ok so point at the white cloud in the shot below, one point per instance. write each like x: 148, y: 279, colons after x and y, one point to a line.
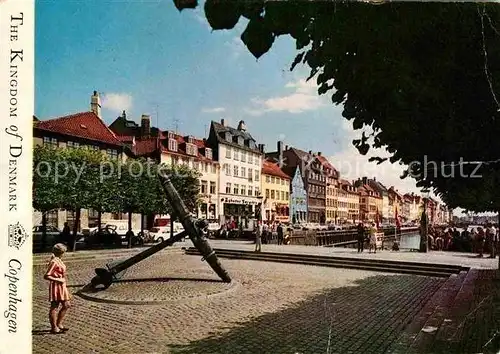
x: 305, y: 98
x: 213, y: 110
x: 117, y: 102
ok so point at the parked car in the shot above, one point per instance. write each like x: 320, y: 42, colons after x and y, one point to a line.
x: 52, y: 236
x: 120, y: 227
x: 161, y: 233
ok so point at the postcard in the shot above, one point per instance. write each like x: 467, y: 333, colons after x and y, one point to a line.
x: 222, y: 176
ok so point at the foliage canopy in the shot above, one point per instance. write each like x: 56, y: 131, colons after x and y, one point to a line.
x: 418, y: 79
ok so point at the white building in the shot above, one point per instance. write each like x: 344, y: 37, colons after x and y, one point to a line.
x: 240, y: 161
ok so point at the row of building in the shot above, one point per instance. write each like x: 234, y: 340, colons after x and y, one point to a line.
x: 239, y: 178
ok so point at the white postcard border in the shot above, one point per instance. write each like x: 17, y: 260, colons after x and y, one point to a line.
x: 17, y: 33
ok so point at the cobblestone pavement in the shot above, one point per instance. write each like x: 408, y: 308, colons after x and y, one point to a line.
x: 438, y: 257
x: 276, y: 308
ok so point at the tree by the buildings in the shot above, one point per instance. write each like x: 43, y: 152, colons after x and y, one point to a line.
x: 419, y: 79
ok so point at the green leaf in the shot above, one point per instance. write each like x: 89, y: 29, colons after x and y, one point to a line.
x: 257, y: 38
x: 222, y: 14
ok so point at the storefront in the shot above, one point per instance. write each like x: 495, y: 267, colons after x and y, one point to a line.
x: 238, y: 208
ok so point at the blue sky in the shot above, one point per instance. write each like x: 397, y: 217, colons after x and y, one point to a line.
x: 147, y: 58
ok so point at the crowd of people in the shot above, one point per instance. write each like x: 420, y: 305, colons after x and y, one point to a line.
x: 478, y: 240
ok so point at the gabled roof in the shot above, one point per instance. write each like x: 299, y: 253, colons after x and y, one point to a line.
x: 84, y: 125
x: 324, y: 161
x: 220, y: 129
x: 272, y: 169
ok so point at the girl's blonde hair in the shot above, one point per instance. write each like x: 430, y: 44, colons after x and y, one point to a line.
x: 59, y: 249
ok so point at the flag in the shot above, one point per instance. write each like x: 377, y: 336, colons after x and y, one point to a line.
x: 398, y: 225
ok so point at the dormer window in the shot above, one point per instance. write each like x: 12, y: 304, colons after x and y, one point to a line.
x: 190, y: 139
x: 208, y: 153
x: 228, y: 136
x: 170, y: 135
x: 172, y: 144
x: 191, y: 149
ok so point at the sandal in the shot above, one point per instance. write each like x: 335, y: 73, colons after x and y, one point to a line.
x: 63, y: 329
x: 53, y: 331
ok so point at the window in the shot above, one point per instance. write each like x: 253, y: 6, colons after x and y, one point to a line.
x: 73, y: 144
x: 208, y: 153
x: 203, y: 187
x: 250, y: 190
x: 50, y: 141
x: 256, y: 160
x: 257, y: 191
x: 267, y: 193
x: 228, y: 188
x: 243, y: 172
x: 228, y: 152
x: 112, y: 153
x: 282, y: 182
x: 257, y: 175
x: 185, y: 162
x: 243, y: 190
x: 227, y: 169
x: 268, y: 179
x: 94, y: 147
x: 282, y: 195
x: 213, y: 188
x: 196, y: 165
x: 272, y: 194
x: 172, y: 144
x: 191, y: 149
x: 236, y: 188
x: 235, y: 170
x: 175, y: 161
x: 243, y: 156
x: 235, y: 155
x: 213, y: 168
x: 250, y: 175
x: 205, y: 167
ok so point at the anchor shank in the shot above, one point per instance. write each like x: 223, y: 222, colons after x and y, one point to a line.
x: 195, y: 233
x: 146, y: 253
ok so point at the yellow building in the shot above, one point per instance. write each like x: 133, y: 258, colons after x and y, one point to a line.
x: 350, y: 197
x: 276, y: 188
x: 331, y: 199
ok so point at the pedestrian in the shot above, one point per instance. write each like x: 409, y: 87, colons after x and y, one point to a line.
x: 491, y: 237
x: 58, y: 291
x: 480, y: 241
x: 279, y: 230
x: 373, y: 239
x: 361, y: 237
x: 65, y: 236
x: 258, y: 237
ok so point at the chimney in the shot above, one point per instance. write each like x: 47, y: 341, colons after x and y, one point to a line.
x: 280, y: 153
x: 145, y: 126
x: 222, y: 122
x: 286, y: 147
x: 242, y: 126
x: 261, y: 148
x: 319, y: 153
x: 310, y: 152
x: 365, y: 180
x: 95, y: 104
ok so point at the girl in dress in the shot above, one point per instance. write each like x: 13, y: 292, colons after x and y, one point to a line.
x: 58, y: 292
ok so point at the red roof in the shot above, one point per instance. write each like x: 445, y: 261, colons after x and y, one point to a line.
x: 145, y: 146
x: 85, y: 125
x: 324, y: 161
x: 272, y: 169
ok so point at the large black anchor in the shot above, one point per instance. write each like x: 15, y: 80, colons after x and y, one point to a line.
x: 193, y: 227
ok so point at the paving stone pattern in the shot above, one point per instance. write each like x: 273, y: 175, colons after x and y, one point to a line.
x: 277, y: 308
